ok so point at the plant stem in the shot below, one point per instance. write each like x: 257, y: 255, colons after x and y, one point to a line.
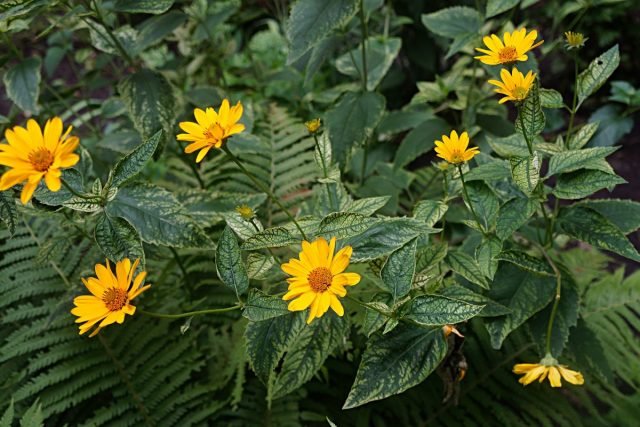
x: 82, y: 196
x: 524, y: 132
x: 191, y: 313
x: 365, y: 36
x: 325, y: 172
x: 114, y: 39
x: 466, y: 194
x: 363, y: 168
x: 264, y: 189
x: 445, y: 189
x: 575, y: 101
x: 556, y: 302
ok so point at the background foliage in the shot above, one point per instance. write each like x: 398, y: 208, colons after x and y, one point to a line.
x: 123, y: 73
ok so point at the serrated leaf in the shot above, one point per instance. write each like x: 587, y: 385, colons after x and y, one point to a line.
x: 309, y: 351
x: 494, y: 170
x: 511, y: 146
x: 118, y: 239
x: 531, y: 121
x: 597, y: 73
x: 434, y: 310
x: 158, y: 216
x: 8, y: 211
x: 525, y: 172
x: 132, y: 163
x: 394, y: 362
x: 467, y: 267
x: 523, y: 292
x: 374, y: 320
x: 453, y: 22
x: 485, y: 203
x: 385, y: 237
x: 430, y: 256
x: 572, y: 160
x: 270, y: 238
x: 260, y: 306
x: 381, y: 52
x: 310, y: 22
x: 491, y: 308
x: 209, y: 207
x: 323, y: 155
x: 22, y: 83
x: 582, y: 136
x: 430, y: 211
x: 154, y: 29
x: 229, y: 265
x: 513, y: 215
x: 550, y: 98
x: 342, y: 225
x: 486, y: 255
x: 496, y: 7
x: 624, y: 214
x: 397, y: 273
x: 590, y: 226
x: 583, y: 183
x: 143, y: 6
x: 420, y: 140
x: 260, y: 266
x: 33, y: 416
x: 7, y: 416
x: 526, y: 262
x: 367, y: 206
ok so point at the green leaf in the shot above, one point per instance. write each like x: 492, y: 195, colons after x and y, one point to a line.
x: 398, y: 271
x: 397, y: 361
x: 385, y: 237
x: 229, y: 265
x: 624, y: 214
x: 491, y: 308
x: 420, y: 140
x: 8, y: 211
x: 613, y: 124
x: 33, y: 417
x: 143, y: 6
x: 453, y: 22
x: 531, y: 121
x: 102, y: 40
x: 309, y: 351
x: 467, y: 267
x: 434, y: 310
x: 374, y: 320
x: 591, y: 227
x: 526, y: 262
x: 7, y: 416
x: 118, y: 239
x: 209, y: 207
x: 582, y: 136
x: 368, y: 205
x: 345, y: 224
x: 22, y: 83
x: 513, y: 215
x: 572, y: 160
x: 158, y: 216
x: 381, y: 52
x: 494, y: 170
x: 486, y: 255
x: 526, y: 172
x: 352, y: 121
x: 511, y: 146
x: 323, y: 155
x: 597, y: 73
x: 64, y: 197
x: 154, y: 29
x: 583, y: 183
x: 550, y: 98
x: 496, y: 7
x: 588, y: 351
x: 484, y: 202
x: 430, y: 211
x: 260, y: 306
x: 268, y: 340
x: 311, y: 22
x: 429, y: 256
x: 270, y: 238
x: 151, y: 104
x: 131, y: 164
x: 523, y: 292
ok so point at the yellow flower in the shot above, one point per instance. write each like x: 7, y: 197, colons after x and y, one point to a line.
x: 111, y: 296
x: 547, y: 368
x: 515, y: 47
x: 454, y: 149
x: 32, y: 154
x: 319, y: 278
x: 313, y: 125
x: 212, y: 129
x: 245, y: 212
x: 514, y: 86
x: 574, y: 40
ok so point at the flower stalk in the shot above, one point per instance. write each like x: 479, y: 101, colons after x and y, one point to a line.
x: 466, y: 195
x: 191, y: 313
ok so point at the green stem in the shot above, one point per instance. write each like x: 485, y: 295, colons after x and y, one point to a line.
x: 370, y: 307
x: 575, y: 101
x: 365, y: 36
x: 363, y: 168
x: 264, y: 189
x: 466, y: 194
x: 524, y: 132
x: 190, y: 313
x: 114, y: 39
x: 82, y: 196
x: 556, y: 301
x: 445, y: 189
x: 332, y: 204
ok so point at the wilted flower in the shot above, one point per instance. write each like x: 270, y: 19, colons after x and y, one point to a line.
x: 549, y: 368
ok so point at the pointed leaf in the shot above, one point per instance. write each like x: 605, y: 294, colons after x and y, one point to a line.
x: 261, y: 306
x: 22, y: 82
x: 132, y: 163
x: 597, y: 73
x: 229, y: 264
x: 526, y: 172
x: 397, y: 273
x: 433, y: 310
x: 118, y: 239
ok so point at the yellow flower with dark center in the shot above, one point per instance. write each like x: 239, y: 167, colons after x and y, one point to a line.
x: 574, y: 40
x: 319, y: 278
x: 111, y: 296
x: 547, y: 368
x: 211, y: 128
x: 514, y: 86
x: 514, y: 48
x: 313, y: 125
x: 32, y: 155
x: 454, y: 149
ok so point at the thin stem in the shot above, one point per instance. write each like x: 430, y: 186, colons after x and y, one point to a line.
x: 445, y: 188
x: 556, y: 302
x: 365, y: 36
x: 524, y: 132
x: 466, y: 194
x: 370, y: 307
x: 575, y: 101
x: 363, y: 168
x: 264, y: 189
x: 82, y: 196
x: 190, y: 313
x: 112, y: 36
x: 325, y: 173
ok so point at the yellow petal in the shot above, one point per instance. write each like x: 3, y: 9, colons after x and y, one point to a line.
x: 302, y: 302
x: 554, y: 377
x: 337, y: 306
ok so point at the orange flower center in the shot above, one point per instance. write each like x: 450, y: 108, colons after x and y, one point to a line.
x: 508, y: 54
x: 320, y: 279
x: 115, y: 298
x: 41, y: 159
x: 215, y: 132
x: 456, y: 156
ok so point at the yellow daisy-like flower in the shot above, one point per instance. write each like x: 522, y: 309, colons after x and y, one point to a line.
x: 313, y: 125
x: 454, y: 149
x: 32, y: 154
x: 514, y: 86
x: 211, y: 128
x: 319, y: 278
x: 245, y: 212
x: 547, y: 368
x: 574, y: 40
x: 110, y: 297
x: 515, y: 47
